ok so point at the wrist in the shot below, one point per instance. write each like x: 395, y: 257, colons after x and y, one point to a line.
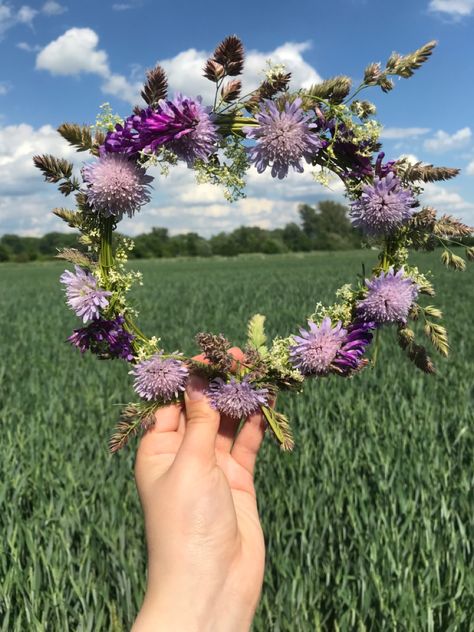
x: 176, y: 613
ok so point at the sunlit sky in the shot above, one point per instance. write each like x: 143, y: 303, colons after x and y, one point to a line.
x: 59, y: 61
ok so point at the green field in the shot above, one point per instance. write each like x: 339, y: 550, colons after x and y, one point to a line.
x: 369, y: 522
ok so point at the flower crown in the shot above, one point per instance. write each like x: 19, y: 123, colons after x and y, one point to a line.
x: 272, y: 127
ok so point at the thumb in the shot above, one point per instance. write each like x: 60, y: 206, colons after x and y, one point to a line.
x: 202, y: 421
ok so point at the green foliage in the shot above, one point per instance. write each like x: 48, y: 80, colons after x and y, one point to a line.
x: 256, y: 337
x: 368, y: 523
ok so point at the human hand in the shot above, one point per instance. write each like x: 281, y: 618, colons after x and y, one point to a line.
x: 206, y: 550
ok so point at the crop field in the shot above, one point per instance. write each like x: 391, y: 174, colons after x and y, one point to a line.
x: 368, y: 523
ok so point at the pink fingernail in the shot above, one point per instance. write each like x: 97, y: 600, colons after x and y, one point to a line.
x: 195, y: 388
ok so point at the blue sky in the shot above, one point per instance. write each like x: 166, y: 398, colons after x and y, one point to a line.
x: 61, y: 60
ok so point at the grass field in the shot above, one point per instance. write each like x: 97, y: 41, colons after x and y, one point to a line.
x: 368, y: 523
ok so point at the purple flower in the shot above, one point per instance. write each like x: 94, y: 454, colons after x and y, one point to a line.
x: 160, y: 378
x: 83, y: 295
x: 106, y: 338
x: 357, y: 339
x: 389, y: 298
x: 236, y: 399
x: 124, y: 138
x: 383, y: 169
x: 383, y: 206
x: 316, y: 349
x: 117, y: 186
x: 283, y: 138
x: 184, y: 125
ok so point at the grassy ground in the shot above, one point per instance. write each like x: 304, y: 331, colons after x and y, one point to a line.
x: 368, y: 523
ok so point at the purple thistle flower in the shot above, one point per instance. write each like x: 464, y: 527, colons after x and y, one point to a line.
x: 237, y: 400
x: 383, y: 206
x: 117, y: 186
x: 123, y: 139
x: 316, y: 349
x: 105, y: 338
x: 83, y: 295
x: 283, y: 138
x: 160, y: 378
x: 356, y: 341
x: 184, y: 125
x: 389, y: 298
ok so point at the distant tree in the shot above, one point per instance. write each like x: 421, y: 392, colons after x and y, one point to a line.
x: 4, y: 252
x: 224, y: 245
x: 328, y: 227
x: 294, y: 238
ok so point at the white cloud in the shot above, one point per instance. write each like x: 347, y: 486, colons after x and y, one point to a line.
x: 4, y: 87
x: 122, y: 6
x: 25, y: 199
x: 10, y: 17
x: 447, y: 200
x: 184, y: 70
x: 16, y: 158
x: 470, y: 168
x: 392, y: 133
x: 76, y: 51
x: 454, y: 8
x: 119, y: 86
x: 29, y: 48
x: 53, y: 8
x: 26, y: 15
x: 442, y: 141
x: 72, y: 53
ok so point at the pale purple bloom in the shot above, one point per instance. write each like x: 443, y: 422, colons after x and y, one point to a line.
x: 349, y: 357
x: 116, y: 186
x: 159, y: 378
x: 283, y: 138
x: 105, y: 338
x: 389, y: 298
x: 237, y: 400
x: 83, y: 295
x: 184, y: 125
x: 383, y: 206
x: 316, y: 349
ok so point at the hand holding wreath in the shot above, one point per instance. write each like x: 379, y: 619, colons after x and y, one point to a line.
x: 205, y: 543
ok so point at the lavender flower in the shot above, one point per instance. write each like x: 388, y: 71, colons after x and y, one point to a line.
x: 356, y: 341
x: 316, y: 349
x: 83, y: 295
x: 106, y: 338
x: 236, y: 399
x: 117, y: 186
x: 160, y: 378
x: 283, y: 138
x: 389, y: 298
x: 383, y: 206
x: 184, y: 125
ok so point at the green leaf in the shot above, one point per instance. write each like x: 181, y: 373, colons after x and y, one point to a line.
x: 256, y: 337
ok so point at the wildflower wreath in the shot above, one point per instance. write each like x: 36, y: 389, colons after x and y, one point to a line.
x: 272, y: 128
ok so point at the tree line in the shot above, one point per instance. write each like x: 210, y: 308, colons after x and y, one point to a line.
x: 325, y: 226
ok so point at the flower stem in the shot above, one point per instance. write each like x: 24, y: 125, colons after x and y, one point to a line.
x: 106, y: 257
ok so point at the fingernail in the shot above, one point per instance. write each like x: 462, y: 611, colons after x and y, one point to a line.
x: 195, y: 388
